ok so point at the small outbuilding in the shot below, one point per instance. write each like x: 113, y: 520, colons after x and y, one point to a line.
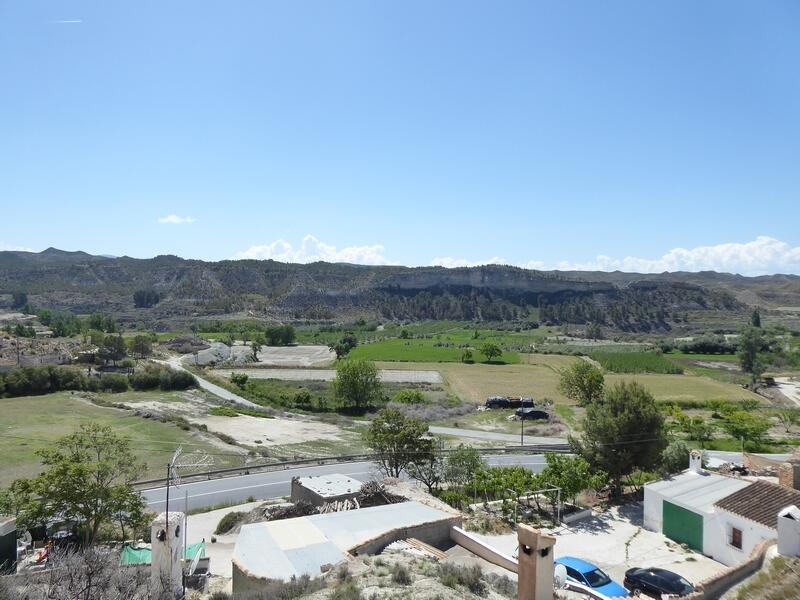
x: 280, y: 550
x: 324, y: 488
x: 8, y: 544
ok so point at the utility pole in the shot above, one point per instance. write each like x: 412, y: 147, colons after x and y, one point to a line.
x: 522, y: 428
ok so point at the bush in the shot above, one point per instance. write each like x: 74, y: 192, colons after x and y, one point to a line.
x: 469, y: 577
x: 239, y: 379
x: 400, y: 574
x: 229, y: 521
x: 455, y: 498
x: 223, y: 411
x: 296, y: 587
x: 410, y: 397
x: 114, y: 383
x: 346, y: 591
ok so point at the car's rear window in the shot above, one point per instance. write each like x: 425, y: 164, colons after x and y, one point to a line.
x: 597, y: 578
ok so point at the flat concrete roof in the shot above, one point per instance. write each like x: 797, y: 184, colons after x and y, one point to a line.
x: 331, y: 485
x: 698, y: 491
x: 301, y: 546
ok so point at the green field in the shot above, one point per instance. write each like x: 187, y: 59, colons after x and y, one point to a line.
x: 30, y: 423
x: 422, y: 350
x: 636, y: 362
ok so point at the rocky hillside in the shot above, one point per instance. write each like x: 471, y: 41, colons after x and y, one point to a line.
x: 83, y: 283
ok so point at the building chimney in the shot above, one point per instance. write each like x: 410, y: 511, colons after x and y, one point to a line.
x: 696, y: 461
x: 789, y: 474
x: 535, y: 560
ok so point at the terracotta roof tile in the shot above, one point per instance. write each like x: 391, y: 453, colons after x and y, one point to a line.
x: 760, y: 502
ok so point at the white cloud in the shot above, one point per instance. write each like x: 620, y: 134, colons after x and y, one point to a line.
x: 11, y: 248
x: 176, y: 220
x: 311, y: 249
x: 67, y: 21
x: 453, y: 263
x: 761, y: 256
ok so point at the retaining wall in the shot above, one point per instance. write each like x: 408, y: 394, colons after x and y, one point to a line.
x: 714, y: 587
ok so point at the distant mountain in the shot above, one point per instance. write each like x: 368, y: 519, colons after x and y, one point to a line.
x: 190, y: 289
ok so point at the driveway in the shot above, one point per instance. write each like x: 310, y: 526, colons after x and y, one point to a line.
x: 615, y: 541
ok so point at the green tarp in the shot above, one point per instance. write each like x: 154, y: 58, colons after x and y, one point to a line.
x: 144, y: 556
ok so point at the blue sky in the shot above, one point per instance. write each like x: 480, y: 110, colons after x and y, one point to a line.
x: 564, y: 133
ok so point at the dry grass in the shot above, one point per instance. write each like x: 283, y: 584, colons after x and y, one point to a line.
x: 539, y: 378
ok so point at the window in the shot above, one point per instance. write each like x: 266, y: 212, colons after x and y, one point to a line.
x: 735, y: 538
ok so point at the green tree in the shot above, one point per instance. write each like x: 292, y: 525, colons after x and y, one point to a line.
x: 344, y: 345
x: 751, y: 345
x: 357, y: 383
x: 113, y: 348
x: 491, y: 351
x: 142, y: 346
x: 18, y: 299
x: 398, y: 440
x: 582, y: 382
x: 787, y: 418
x: 255, y: 347
x: 623, y: 433
x: 746, y: 426
x: 462, y: 464
x: 428, y: 469
x: 755, y: 318
x: 674, y: 458
x: 572, y: 474
x: 466, y: 355
x: 87, y: 477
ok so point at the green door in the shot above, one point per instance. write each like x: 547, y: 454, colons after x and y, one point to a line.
x: 683, y: 526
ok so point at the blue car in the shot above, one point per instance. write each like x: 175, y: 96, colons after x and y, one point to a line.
x: 588, y: 574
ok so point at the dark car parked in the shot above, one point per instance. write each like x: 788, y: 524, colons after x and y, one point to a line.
x: 655, y: 582
x: 532, y: 414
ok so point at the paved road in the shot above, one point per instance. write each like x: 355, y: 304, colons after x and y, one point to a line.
x: 275, y: 484
x: 493, y: 436
x: 175, y: 363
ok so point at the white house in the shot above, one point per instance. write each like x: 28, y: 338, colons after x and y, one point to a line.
x: 722, y: 517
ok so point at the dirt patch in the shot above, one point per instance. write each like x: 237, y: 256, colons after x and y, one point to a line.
x: 249, y: 430
x: 713, y: 364
x: 295, y: 356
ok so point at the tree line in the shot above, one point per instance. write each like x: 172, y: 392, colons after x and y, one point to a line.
x: 37, y: 381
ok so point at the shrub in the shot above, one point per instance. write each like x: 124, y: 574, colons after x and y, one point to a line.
x: 454, y: 498
x: 239, y: 379
x: 114, y: 382
x: 410, y: 397
x: 469, y: 577
x: 223, y: 411
x: 346, y: 591
x: 229, y: 521
x: 296, y: 587
x: 400, y: 574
